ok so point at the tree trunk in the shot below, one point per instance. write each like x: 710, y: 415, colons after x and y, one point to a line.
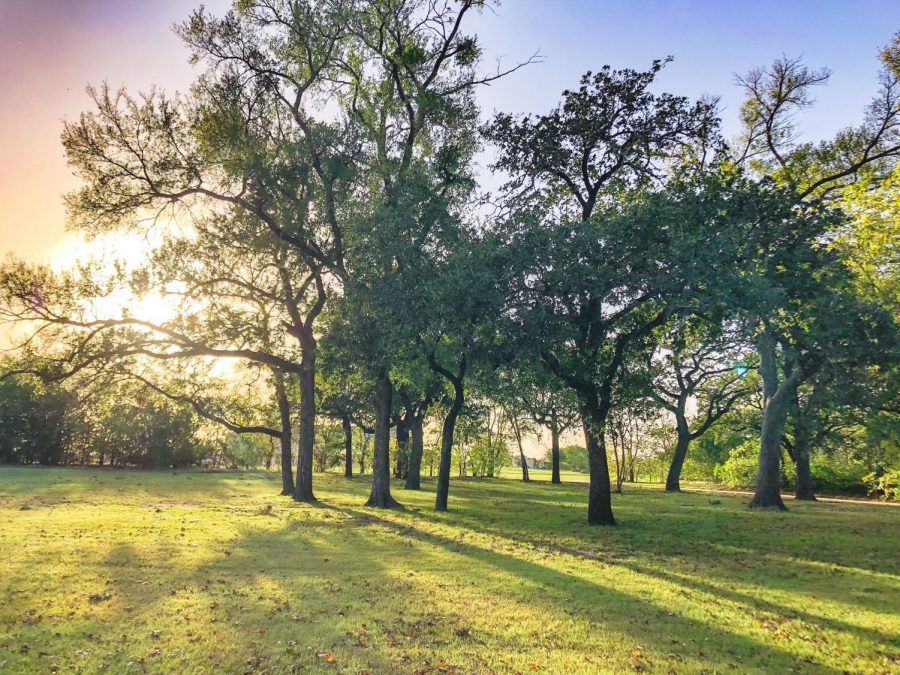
x: 673, y: 480
x: 402, y: 447
x: 303, y: 490
x: 803, y: 487
x: 348, y: 447
x: 775, y: 410
x: 381, y: 452
x: 599, y: 495
x: 620, y: 465
x: 416, y: 449
x: 284, y: 412
x: 443, y: 481
x: 554, y: 454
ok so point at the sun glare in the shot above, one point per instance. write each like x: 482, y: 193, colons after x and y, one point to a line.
x: 126, y: 251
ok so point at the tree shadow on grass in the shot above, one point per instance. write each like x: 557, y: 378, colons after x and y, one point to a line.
x: 639, y: 620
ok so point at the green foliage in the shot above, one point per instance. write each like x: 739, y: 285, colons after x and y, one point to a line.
x: 34, y: 428
x: 573, y: 458
x: 489, y: 455
x: 885, y: 485
x: 838, y: 476
x: 247, y: 452
x: 870, y: 239
x: 739, y: 470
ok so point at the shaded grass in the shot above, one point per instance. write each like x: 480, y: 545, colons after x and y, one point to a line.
x: 153, y: 572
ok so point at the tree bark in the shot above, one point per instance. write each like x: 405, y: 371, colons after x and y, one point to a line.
x: 416, y: 449
x: 599, y: 494
x: 284, y: 412
x: 402, y: 431
x: 673, y: 480
x: 443, y: 481
x: 775, y: 409
x: 303, y: 490
x: 348, y: 447
x: 380, y: 496
x: 554, y: 453
x: 803, y: 486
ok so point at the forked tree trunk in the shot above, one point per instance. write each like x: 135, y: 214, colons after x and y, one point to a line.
x: 348, y: 446
x: 775, y: 411
x: 284, y: 412
x: 380, y: 496
x: 303, y: 490
x: 416, y: 449
x: 554, y: 454
x: 673, y: 480
x: 599, y: 494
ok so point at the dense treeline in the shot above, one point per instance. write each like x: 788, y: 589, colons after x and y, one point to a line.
x: 722, y: 307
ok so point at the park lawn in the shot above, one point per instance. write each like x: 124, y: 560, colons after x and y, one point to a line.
x: 515, y: 473
x: 113, y: 571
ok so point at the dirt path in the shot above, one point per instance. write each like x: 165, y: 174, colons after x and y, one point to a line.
x: 835, y: 500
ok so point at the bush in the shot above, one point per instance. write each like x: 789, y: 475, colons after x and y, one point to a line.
x: 830, y: 475
x: 739, y: 470
x: 886, y: 486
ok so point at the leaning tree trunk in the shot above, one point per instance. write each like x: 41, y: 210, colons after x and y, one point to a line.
x: 416, y: 449
x: 348, y: 446
x: 673, y: 480
x: 303, y: 490
x: 775, y: 411
x: 803, y: 487
x: 554, y: 454
x: 381, y: 452
x: 443, y: 481
x: 402, y: 447
x: 284, y: 411
x: 599, y: 494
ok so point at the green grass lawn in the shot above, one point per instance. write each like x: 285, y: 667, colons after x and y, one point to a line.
x: 212, y: 572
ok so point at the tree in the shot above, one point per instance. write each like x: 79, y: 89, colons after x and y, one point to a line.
x: 548, y: 403
x: 235, y: 300
x: 590, y: 289
x: 410, y: 74
x: 34, y: 424
x: 702, y: 366
x: 812, y: 175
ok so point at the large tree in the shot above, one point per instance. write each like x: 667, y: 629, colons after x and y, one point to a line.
x: 594, y: 257
x: 788, y: 256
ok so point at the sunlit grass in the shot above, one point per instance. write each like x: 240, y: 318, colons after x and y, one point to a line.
x: 196, y: 572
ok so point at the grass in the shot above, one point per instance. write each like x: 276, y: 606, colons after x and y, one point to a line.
x: 129, y: 572
x: 515, y: 473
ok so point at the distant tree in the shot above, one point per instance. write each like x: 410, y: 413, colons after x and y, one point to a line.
x: 697, y: 365
x: 34, y: 428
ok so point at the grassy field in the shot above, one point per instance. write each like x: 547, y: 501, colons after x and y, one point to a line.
x: 120, y: 572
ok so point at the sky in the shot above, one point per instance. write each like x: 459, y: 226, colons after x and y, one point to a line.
x: 51, y: 49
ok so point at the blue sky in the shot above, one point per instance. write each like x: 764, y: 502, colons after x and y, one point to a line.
x: 50, y: 49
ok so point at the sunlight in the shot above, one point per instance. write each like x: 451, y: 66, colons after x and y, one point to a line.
x: 108, y: 255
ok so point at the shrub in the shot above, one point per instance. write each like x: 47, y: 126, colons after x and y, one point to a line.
x: 739, y: 470
x: 831, y: 475
x: 886, y: 486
